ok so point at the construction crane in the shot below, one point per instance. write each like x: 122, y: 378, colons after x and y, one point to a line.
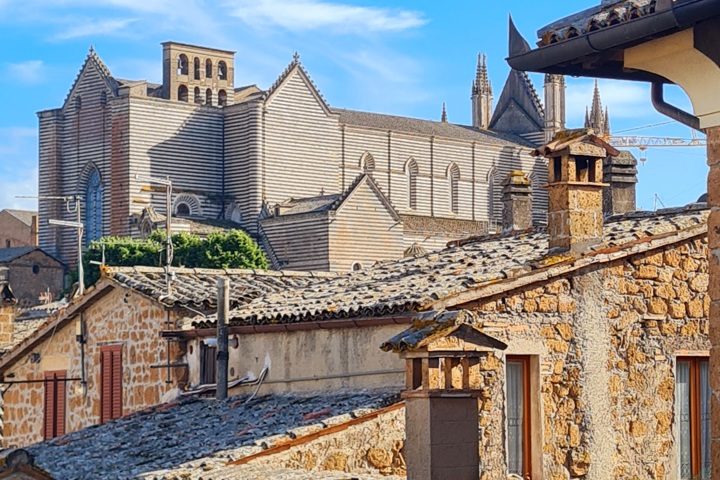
x: 643, y: 143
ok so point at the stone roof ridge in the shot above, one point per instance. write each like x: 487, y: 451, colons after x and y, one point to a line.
x: 93, y: 58
x: 661, y: 212
x: 373, y: 185
x: 294, y: 65
x: 112, y: 270
x: 533, y: 93
x: 495, y: 236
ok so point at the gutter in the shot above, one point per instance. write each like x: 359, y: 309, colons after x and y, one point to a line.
x: 671, y: 17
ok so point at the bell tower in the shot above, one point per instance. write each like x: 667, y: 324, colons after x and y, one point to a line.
x: 198, y: 75
x: 482, y: 96
x: 554, y: 105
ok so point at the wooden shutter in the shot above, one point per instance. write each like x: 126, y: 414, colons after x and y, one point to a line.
x: 54, y: 424
x: 111, y: 392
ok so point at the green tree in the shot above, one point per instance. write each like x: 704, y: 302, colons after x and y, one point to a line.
x: 231, y: 249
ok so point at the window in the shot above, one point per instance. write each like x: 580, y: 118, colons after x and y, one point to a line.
x: 182, y: 64
x: 222, y: 98
x: 357, y: 266
x: 692, y: 403
x: 93, y: 207
x: 222, y: 70
x: 208, y: 363
x: 196, y: 68
x: 454, y: 177
x: 412, y: 174
x: 208, y: 68
x: 103, y: 98
x: 36, y: 269
x: 367, y: 163
x: 7, y: 243
x: 110, y: 382
x: 208, y: 97
x: 518, y: 415
x: 183, y: 93
x: 54, y: 422
x: 182, y: 210
x: 78, y: 102
x: 196, y: 95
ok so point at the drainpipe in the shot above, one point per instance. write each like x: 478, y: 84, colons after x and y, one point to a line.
x: 223, y: 302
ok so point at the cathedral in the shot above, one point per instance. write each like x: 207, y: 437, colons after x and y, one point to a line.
x: 319, y: 187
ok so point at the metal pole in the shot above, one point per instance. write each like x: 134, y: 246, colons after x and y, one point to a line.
x: 81, y: 270
x: 168, y: 238
x: 223, y: 302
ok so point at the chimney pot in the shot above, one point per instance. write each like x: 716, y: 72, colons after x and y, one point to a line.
x: 517, y: 202
x: 621, y: 174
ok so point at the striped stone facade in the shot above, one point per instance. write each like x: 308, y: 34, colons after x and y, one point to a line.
x: 236, y: 161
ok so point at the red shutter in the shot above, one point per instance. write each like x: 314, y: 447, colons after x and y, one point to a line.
x: 54, y: 424
x: 110, y: 382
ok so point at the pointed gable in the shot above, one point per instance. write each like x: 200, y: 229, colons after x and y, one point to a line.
x: 93, y: 70
x: 519, y: 109
x: 295, y: 73
x: 366, y: 180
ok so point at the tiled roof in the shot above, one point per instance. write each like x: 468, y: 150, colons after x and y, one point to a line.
x: 607, y: 14
x: 195, y: 438
x: 416, y: 284
x: 296, y: 206
x: 28, y: 322
x: 427, y: 127
x: 10, y: 254
x: 197, y: 287
x: 25, y: 216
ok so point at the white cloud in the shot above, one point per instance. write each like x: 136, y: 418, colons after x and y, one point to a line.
x: 89, y: 27
x: 31, y: 71
x: 303, y: 15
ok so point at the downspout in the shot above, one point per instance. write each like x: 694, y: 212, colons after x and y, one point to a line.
x: 671, y: 111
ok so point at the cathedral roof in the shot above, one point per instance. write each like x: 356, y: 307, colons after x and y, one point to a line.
x: 426, y: 127
x: 519, y: 109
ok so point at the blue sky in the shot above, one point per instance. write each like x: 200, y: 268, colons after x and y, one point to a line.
x: 393, y: 56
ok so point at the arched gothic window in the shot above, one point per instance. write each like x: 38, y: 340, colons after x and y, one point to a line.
x: 93, y: 207
x: 196, y: 95
x: 208, y: 96
x: 454, y: 177
x: 208, y: 68
x: 367, y: 163
x: 182, y: 64
x: 182, y: 210
x: 412, y: 173
x: 222, y: 70
x: 183, y: 93
x: 222, y: 98
x: 78, y: 102
x: 492, y: 192
x: 196, y: 68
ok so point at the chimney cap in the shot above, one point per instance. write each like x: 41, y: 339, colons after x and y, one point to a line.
x: 566, y: 139
x: 516, y: 177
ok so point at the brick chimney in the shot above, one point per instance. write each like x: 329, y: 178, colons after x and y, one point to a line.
x: 8, y: 304
x: 575, y: 174
x: 621, y: 173
x: 517, y: 202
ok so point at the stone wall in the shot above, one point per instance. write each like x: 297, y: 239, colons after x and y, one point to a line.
x: 604, y: 343
x: 16, y: 232
x: 713, y: 155
x: 34, y: 273
x: 121, y: 317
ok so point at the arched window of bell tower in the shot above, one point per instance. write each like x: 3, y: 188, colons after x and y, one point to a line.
x: 183, y: 93
x: 182, y: 64
x: 222, y: 70
x: 222, y: 98
x: 196, y: 95
x: 208, y: 68
x: 196, y: 68
x: 208, y: 96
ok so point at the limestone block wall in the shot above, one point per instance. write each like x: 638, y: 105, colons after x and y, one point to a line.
x: 31, y: 274
x: 121, y: 317
x: 658, y: 309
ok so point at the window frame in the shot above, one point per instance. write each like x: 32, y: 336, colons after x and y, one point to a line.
x: 56, y: 415
x: 695, y: 402
x: 527, y: 453
x: 208, y: 364
x: 111, y: 353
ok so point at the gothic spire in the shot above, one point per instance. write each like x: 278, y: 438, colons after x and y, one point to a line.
x: 482, y: 81
x: 587, y: 118
x: 443, y: 118
x: 596, y: 111
x: 606, y: 122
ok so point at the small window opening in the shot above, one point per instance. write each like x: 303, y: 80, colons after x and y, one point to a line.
x: 182, y: 64
x: 36, y: 269
x: 103, y: 98
x: 585, y: 170
x: 183, y: 93
x: 196, y: 95
x: 78, y: 102
x: 208, y: 97
x: 7, y: 243
x: 557, y: 169
x: 182, y: 210
x: 208, y: 68
x: 357, y: 266
x: 196, y: 68
x: 222, y: 98
x: 222, y: 70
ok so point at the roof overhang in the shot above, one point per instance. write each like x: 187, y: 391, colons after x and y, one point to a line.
x: 679, y: 42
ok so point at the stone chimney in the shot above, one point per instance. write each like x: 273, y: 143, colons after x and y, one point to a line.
x: 517, y: 202
x: 621, y: 173
x: 575, y: 174
x: 8, y: 305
